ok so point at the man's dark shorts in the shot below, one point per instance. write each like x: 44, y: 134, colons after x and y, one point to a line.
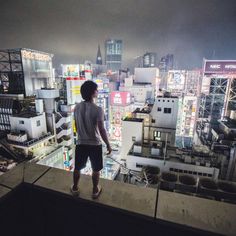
x: 94, y: 152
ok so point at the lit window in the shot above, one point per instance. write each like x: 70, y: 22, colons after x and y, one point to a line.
x: 157, y: 135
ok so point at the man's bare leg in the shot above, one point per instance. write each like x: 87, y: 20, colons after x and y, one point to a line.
x: 95, y: 178
x: 76, y: 177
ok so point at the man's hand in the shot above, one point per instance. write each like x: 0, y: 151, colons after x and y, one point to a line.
x: 109, y: 149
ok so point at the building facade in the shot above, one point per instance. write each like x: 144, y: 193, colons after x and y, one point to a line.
x: 113, y: 54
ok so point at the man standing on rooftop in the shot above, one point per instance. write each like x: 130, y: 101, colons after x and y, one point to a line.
x: 89, y: 122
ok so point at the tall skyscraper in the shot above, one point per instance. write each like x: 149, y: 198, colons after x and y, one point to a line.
x: 113, y: 54
x: 99, y: 56
x: 166, y: 63
x: 149, y: 59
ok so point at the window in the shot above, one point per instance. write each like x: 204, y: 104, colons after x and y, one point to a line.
x: 21, y: 122
x: 38, y: 123
x: 139, y: 166
x: 159, y: 109
x: 157, y: 135
x: 133, y: 138
x: 167, y: 110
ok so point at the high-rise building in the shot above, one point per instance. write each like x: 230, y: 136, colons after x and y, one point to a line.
x: 23, y: 71
x: 149, y: 59
x: 218, y: 86
x: 166, y: 63
x: 113, y: 54
x: 99, y: 56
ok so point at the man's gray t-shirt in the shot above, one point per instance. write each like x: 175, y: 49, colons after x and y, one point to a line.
x: 87, y: 115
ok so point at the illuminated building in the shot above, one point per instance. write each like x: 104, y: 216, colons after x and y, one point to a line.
x: 113, y: 54
x: 74, y: 80
x: 10, y: 104
x: 166, y: 63
x: 150, y: 59
x: 140, y: 92
x: 59, y: 122
x: 29, y: 134
x: 23, y: 71
x: 219, y: 84
x: 120, y: 103
x: 103, y: 98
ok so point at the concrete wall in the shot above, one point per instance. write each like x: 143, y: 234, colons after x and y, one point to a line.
x: 146, y: 75
x: 162, y: 119
x: 30, y: 125
x: 132, y: 131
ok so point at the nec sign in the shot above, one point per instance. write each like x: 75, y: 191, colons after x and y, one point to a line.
x: 219, y: 67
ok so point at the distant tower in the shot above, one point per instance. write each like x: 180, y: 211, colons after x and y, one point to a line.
x: 149, y: 59
x: 99, y: 56
x: 113, y: 54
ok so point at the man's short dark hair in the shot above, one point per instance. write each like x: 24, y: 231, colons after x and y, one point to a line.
x: 87, y: 89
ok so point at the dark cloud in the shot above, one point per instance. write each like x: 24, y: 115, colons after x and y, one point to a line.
x: 72, y: 29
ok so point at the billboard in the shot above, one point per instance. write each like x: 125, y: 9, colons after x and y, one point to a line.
x: 70, y: 70
x: 119, y: 98
x: 176, y: 81
x: 73, y: 85
x: 188, y: 116
x: 219, y: 67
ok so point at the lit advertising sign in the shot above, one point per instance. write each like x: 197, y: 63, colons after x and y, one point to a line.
x: 73, y: 86
x: 219, y: 67
x: 120, y: 98
x: 176, y: 80
x: 32, y: 55
x: 70, y: 70
x: 99, y: 82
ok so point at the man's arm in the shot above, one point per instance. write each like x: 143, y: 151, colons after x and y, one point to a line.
x: 103, y: 134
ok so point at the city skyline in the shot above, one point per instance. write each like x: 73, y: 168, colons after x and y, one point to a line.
x: 72, y: 31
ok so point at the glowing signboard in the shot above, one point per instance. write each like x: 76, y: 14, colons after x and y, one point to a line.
x: 119, y: 98
x: 176, y: 80
x: 35, y: 55
x: 219, y: 67
x: 70, y: 70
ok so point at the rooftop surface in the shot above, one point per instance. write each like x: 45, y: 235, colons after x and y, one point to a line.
x: 175, y: 208
x: 26, y: 115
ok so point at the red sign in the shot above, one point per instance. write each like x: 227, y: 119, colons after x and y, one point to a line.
x: 119, y: 98
x: 75, y: 78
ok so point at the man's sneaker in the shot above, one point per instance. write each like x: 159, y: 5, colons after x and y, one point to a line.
x: 97, y: 194
x: 74, y: 193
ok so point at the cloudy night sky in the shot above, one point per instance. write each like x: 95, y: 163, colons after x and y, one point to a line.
x: 72, y: 29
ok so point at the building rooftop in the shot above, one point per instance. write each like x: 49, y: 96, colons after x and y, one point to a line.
x: 229, y: 123
x: 26, y: 115
x: 145, y: 110
x: 135, y: 208
x: 133, y: 119
x: 167, y: 96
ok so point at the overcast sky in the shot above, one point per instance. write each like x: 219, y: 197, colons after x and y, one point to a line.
x: 72, y: 29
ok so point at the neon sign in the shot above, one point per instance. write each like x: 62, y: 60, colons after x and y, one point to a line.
x: 35, y: 56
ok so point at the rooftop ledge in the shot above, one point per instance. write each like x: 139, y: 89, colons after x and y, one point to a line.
x: 198, y: 213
